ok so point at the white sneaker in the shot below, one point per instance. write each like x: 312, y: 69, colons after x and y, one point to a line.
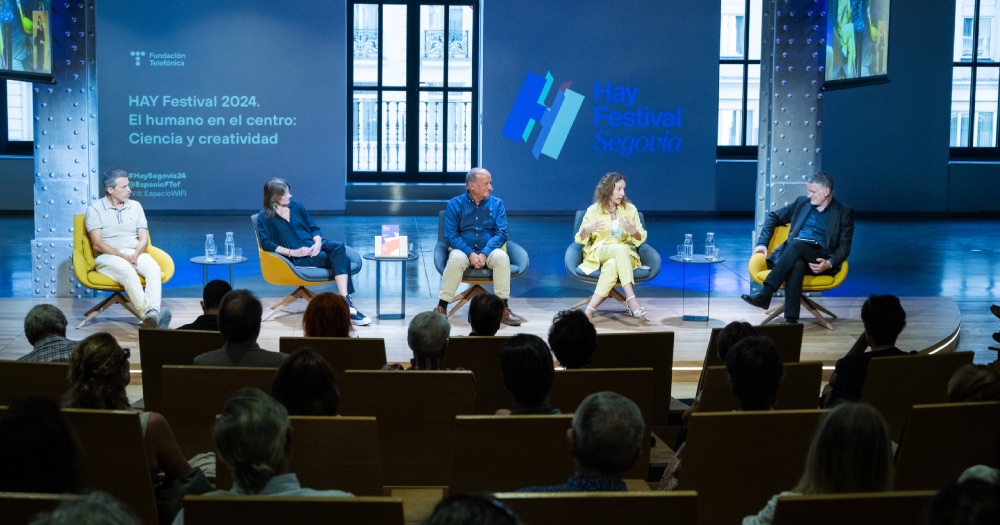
x: 150, y: 320
x: 165, y: 319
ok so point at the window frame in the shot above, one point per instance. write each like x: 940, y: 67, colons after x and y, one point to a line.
x: 19, y: 148
x: 743, y: 150
x: 975, y: 64
x: 413, y: 91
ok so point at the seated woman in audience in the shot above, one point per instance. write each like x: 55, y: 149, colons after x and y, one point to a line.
x: 755, y: 373
x: 327, y: 315
x: 99, y: 372
x: 610, y: 233
x: 305, y: 385
x: 974, y: 383
x: 527, y: 370
x: 850, y: 452
x: 731, y: 334
x: 38, y: 449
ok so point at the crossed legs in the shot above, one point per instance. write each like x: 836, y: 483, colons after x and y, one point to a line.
x: 616, y: 266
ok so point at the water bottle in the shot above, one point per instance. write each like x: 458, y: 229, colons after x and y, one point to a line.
x: 688, y: 247
x: 710, y: 246
x: 230, y: 246
x: 210, y: 248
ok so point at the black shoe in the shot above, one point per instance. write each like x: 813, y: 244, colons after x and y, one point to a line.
x: 996, y: 336
x: 995, y: 308
x: 759, y: 299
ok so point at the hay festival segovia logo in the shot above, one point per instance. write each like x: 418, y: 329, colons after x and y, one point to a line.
x: 622, y: 126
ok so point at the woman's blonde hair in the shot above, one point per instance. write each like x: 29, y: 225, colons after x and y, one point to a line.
x: 974, y: 383
x: 850, y: 452
x: 606, y: 187
x: 97, y: 366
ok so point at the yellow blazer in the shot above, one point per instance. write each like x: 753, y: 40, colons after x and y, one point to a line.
x: 595, y: 240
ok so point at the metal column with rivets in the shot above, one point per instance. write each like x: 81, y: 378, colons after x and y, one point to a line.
x: 793, y: 34
x: 66, y: 173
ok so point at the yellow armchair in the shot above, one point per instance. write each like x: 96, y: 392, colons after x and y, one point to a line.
x: 86, y: 271
x: 811, y: 283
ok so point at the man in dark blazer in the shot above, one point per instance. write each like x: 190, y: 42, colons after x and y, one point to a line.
x: 819, y: 240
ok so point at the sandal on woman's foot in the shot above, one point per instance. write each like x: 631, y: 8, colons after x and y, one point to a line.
x: 639, y: 312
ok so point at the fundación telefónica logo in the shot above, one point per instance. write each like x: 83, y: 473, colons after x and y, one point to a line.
x: 530, y: 108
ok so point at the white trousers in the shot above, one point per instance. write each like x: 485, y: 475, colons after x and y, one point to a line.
x: 123, y: 273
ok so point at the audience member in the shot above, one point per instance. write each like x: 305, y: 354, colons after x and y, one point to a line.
x: 485, y: 312
x: 573, y: 339
x: 755, y: 373
x: 305, y: 385
x: 38, y: 449
x: 211, y: 297
x: 427, y: 337
x: 472, y: 509
x: 967, y: 502
x: 95, y: 508
x: 45, y: 328
x: 99, y: 373
x: 254, y: 439
x: 327, y: 315
x: 239, y: 321
x: 974, y: 383
x: 850, y: 452
x: 526, y: 365
x: 605, y: 440
x: 884, y: 319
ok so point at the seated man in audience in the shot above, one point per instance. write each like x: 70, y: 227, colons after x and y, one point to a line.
x: 254, y: 439
x: 427, y: 336
x: 239, y: 321
x: 573, y: 339
x: 884, y: 319
x: 211, y: 296
x: 485, y: 312
x: 605, y: 440
x: 526, y: 365
x: 45, y: 328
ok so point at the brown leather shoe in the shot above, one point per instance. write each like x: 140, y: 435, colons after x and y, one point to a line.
x: 440, y: 310
x: 510, y: 318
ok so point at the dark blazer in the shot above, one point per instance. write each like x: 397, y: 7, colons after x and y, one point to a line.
x: 839, y: 228
x: 242, y: 354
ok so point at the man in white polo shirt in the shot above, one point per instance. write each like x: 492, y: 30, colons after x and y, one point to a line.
x: 118, y: 233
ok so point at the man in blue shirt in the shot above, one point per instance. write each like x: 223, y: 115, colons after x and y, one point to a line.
x: 821, y: 230
x: 605, y: 440
x: 475, y: 227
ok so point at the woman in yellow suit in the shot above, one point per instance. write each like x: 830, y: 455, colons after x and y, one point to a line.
x: 610, y: 233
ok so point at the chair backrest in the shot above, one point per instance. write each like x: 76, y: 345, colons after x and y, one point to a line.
x: 571, y: 387
x: 267, y: 510
x: 800, y: 389
x: 894, y: 384
x: 482, y: 356
x: 641, y: 350
x: 342, y: 353
x: 83, y: 252
x: 22, y: 378
x: 115, y: 458
x: 194, y: 395
x: 498, y: 453
x: 169, y: 347
x: 787, y: 338
x: 737, y: 460
x: 21, y: 508
x: 884, y: 508
x: 330, y: 453
x: 633, y: 508
x: 940, y: 441
x: 416, y: 412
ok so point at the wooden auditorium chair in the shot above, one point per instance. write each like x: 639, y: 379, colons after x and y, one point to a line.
x: 85, y: 269
x: 415, y: 410
x: 268, y: 510
x: 810, y: 283
x: 800, y: 388
x: 632, y: 508
x: 21, y: 508
x: 884, y: 508
x: 481, y: 355
x: 342, y: 353
x: 169, y: 347
x: 22, y: 378
x: 643, y: 350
